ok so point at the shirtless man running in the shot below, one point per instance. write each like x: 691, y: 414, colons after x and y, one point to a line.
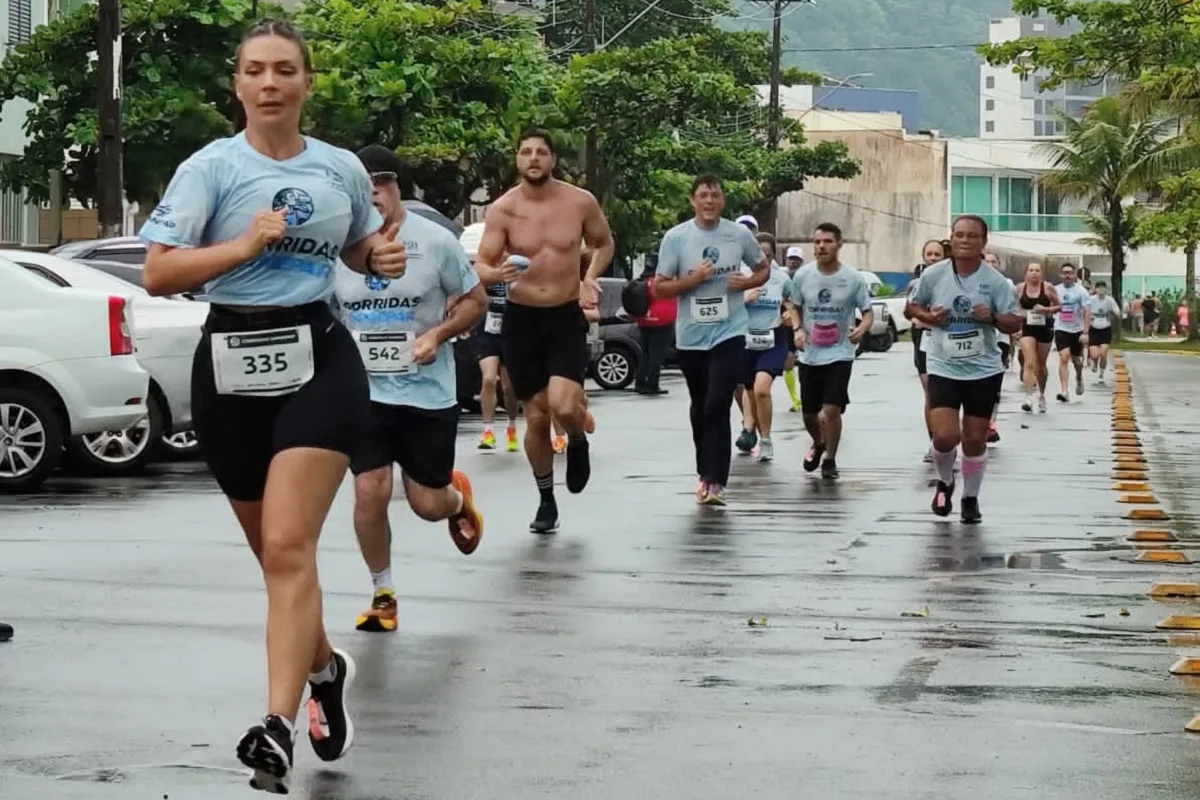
x: 542, y: 223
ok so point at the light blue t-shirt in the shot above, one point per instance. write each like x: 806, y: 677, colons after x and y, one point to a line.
x: 964, y: 348
x: 1102, y: 308
x: 217, y: 191
x: 1073, y: 299
x: 711, y: 313
x: 827, y: 303
x: 763, y: 312
x: 438, y: 269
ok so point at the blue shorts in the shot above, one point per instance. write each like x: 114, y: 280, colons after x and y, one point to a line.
x: 770, y: 361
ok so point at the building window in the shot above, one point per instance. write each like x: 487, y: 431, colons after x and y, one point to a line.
x: 1039, y: 107
x: 20, y: 21
x: 989, y: 105
x: 989, y: 127
x: 971, y: 194
x: 989, y: 82
x: 1014, y: 198
x: 1039, y: 27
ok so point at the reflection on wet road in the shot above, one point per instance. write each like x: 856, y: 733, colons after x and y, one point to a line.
x: 833, y: 637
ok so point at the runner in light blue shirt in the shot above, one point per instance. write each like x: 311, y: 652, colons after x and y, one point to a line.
x: 766, y: 355
x: 1071, y: 330
x: 1103, y: 309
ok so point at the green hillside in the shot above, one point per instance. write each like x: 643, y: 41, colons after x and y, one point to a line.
x: 948, y: 79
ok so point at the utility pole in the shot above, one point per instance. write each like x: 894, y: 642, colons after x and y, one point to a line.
x: 768, y: 223
x: 110, y: 184
x: 591, y: 157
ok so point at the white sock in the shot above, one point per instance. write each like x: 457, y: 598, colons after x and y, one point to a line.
x: 972, y: 471
x: 326, y: 675
x: 944, y: 462
x: 458, y: 504
x: 383, y: 580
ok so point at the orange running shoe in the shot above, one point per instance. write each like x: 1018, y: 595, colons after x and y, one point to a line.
x: 560, y: 444
x: 511, y: 434
x: 466, y: 527
x: 488, y: 440
x: 381, y: 617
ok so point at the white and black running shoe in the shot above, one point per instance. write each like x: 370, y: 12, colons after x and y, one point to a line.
x: 330, y: 730
x: 267, y: 749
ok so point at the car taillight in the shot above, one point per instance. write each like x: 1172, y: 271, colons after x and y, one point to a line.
x: 120, y: 339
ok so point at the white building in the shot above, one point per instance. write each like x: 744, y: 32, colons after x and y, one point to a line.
x: 18, y: 219
x: 998, y: 179
x: 1013, y: 108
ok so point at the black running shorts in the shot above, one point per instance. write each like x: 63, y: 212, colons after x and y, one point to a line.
x: 1099, y: 336
x: 976, y: 398
x: 544, y: 342
x: 239, y: 434
x: 1042, y: 334
x: 919, y: 358
x: 825, y: 385
x: 1067, y: 340
x: 421, y: 441
x: 489, y: 345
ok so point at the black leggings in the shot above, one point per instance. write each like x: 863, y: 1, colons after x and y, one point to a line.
x: 712, y: 376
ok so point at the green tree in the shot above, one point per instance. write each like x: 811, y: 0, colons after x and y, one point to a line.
x: 446, y: 85
x: 626, y: 23
x: 1177, y: 226
x: 1106, y: 157
x: 177, y: 59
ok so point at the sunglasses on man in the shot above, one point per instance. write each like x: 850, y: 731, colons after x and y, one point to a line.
x: 382, y: 178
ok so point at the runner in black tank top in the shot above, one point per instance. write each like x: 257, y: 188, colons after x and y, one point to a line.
x: 1037, y: 333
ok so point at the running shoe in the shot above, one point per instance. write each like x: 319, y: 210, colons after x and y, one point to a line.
x: 970, y: 511
x: 6, y: 631
x: 546, y: 520
x: 559, y: 444
x: 1079, y: 383
x: 1041, y: 404
x: 701, y: 491
x: 382, y: 616
x: 579, y: 465
x: 928, y: 457
x: 812, y: 459
x: 715, y: 496
x: 466, y: 527
x: 1061, y: 397
x: 746, y: 441
x: 487, y: 441
x: 766, y: 450
x: 330, y: 731
x: 993, y: 435
x: 267, y: 749
x: 829, y: 470
x: 1027, y: 406
x: 511, y: 436
x: 943, y: 499
x: 794, y: 409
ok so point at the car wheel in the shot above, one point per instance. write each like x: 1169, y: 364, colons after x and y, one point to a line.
x: 615, y: 369
x: 179, y: 446
x: 31, y: 439
x: 121, y: 452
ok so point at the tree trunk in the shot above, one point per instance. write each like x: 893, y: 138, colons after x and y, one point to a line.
x: 1116, y: 250
x: 1189, y: 293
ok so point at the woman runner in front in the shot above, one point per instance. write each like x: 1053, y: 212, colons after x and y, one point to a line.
x: 279, y: 391
x: 1038, y: 301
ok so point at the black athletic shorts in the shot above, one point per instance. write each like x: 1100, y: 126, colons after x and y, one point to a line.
x: 241, y: 433
x: 1066, y: 340
x: 1043, y: 334
x: 489, y: 345
x: 1005, y: 353
x: 1099, y: 336
x: 421, y: 441
x: 976, y: 398
x: 919, y: 355
x: 825, y: 385
x: 541, y: 342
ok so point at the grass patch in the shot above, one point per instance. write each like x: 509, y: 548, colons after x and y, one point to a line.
x: 1157, y: 346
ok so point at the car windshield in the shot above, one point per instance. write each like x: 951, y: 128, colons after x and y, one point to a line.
x: 82, y: 276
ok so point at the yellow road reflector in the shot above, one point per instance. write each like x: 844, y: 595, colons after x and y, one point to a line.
x: 1164, y: 590
x: 1163, y: 557
x: 1152, y: 536
x: 1138, y: 498
x: 1127, y: 462
x: 1120, y: 474
x: 1125, y: 437
x: 1193, y: 726
x: 1186, y: 666
x: 1147, y: 513
x: 1129, y: 452
x: 1131, y: 486
x: 1179, y: 622
x: 1125, y: 426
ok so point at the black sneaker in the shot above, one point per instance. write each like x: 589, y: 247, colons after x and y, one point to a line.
x: 267, y: 749
x: 812, y: 459
x: 6, y: 631
x: 970, y: 511
x: 546, y: 520
x: 579, y: 466
x: 993, y: 436
x: 829, y: 470
x: 746, y: 441
x: 943, y: 499
x: 330, y: 730
x: 1061, y: 397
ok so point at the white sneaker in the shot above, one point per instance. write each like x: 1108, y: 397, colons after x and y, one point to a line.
x: 766, y: 450
x: 1041, y: 404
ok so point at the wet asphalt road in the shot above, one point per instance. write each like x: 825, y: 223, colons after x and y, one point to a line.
x: 616, y: 660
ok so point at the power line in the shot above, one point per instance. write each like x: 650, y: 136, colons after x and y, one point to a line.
x: 882, y: 48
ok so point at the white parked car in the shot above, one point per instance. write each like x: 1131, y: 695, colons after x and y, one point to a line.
x: 67, y: 368
x: 166, y: 331
x: 890, y: 321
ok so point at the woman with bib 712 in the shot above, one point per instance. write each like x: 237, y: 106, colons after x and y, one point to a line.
x: 278, y: 388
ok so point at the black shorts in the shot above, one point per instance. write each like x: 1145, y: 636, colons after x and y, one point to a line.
x: 825, y: 385
x: 1099, y: 336
x: 976, y: 398
x: 791, y: 338
x: 542, y: 342
x: 919, y: 355
x: 1067, y: 340
x: 241, y: 433
x: 1043, y: 334
x: 489, y: 345
x: 770, y: 361
x: 1005, y: 353
x: 421, y: 441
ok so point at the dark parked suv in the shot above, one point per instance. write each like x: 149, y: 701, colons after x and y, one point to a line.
x: 617, y: 364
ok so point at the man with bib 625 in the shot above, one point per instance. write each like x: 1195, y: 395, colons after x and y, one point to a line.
x: 403, y: 329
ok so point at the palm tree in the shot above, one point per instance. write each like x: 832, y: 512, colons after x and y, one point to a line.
x: 1113, y: 152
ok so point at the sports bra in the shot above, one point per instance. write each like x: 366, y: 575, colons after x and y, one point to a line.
x: 1028, y: 302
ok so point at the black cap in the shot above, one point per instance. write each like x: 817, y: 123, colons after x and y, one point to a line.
x: 377, y: 158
